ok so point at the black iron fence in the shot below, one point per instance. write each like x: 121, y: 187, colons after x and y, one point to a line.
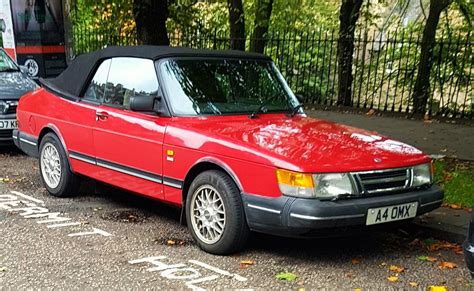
x: 384, y: 66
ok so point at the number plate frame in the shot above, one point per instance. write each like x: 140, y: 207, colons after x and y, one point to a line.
x: 8, y: 124
x: 391, y: 213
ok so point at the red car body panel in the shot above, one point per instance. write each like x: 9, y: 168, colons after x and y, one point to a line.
x: 248, y: 149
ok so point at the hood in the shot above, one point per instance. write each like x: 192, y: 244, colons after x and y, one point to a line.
x: 302, y: 144
x: 13, y: 85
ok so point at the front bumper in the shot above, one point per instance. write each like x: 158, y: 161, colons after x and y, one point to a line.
x: 290, y: 216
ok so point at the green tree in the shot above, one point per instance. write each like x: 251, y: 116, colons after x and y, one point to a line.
x: 421, y: 91
x: 150, y: 18
x: 348, y: 15
x: 263, y: 12
x: 237, y: 24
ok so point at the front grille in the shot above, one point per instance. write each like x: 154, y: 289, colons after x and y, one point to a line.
x: 6, y: 133
x: 383, y: 180
x: 11, y: 110
x: 12, y: 104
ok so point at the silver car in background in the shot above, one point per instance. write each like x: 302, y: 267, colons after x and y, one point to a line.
x: 14, y: 83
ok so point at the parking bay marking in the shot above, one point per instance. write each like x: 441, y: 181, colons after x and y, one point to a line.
x: 190, y: 275
x: 182, y: 272
x: 11, y: 203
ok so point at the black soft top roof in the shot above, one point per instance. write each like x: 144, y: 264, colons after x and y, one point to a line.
x: 72, y: 80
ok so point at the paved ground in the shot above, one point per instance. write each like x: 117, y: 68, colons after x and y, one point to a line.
x: 433, y: 137
x: 33, y: 255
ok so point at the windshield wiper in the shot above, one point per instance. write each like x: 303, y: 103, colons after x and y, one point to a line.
x: 260, y: 109
x: 295, y: 109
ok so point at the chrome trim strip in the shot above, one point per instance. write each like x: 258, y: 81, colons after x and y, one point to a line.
x: 76, y: 157
x: 100, y: 164
x: 308, y: 217
x: 385, y: 180
x: 381, y: 171
x: 28, y: 142
x: 15, y: 137
x: 263, y: 208
x: 430, y: 203
x: 167, y: 183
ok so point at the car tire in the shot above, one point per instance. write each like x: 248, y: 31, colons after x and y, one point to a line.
x: 55, y: 170
x: 215, y: 214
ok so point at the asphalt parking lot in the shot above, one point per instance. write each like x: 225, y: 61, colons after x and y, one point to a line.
x: 105, y: 238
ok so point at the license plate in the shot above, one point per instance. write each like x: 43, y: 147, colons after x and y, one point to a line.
x: 8, y: 124
x: 391, y: 213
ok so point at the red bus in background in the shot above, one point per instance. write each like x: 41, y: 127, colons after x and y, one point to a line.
x: 33, y: 34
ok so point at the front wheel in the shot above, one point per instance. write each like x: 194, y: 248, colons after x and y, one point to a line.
x: 215, y: 214
x: 54, y: 167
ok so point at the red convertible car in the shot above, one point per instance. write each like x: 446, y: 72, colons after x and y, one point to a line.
x: 220, y: 134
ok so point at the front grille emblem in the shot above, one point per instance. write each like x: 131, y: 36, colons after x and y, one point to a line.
x: 4, y: 106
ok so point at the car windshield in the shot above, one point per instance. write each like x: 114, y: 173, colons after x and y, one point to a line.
x: 225, y: 86
x: 6, y: 63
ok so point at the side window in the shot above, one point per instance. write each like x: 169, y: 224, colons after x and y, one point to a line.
x: 95, y: 91
x: 130, y: 77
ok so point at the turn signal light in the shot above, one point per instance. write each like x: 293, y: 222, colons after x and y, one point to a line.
x: 295, y: 179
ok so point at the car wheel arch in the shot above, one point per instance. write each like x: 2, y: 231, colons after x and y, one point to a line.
x: 52, y: 129
x: 198, y: 168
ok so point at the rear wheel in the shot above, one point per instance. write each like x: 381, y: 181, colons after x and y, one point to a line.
x: 215, y: 214
x: 54, y: 167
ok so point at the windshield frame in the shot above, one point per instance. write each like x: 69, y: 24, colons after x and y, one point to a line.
x: 292, y: 100
x: 10, y: 60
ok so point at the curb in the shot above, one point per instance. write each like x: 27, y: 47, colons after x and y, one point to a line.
x: 449, y: 233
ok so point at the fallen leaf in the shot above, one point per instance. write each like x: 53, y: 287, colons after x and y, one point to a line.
x: 246, y: 263
x: 413, y: 284
x: 447, y: 265
x: 392, y: 279
x: 285, y: 276
x: 370, y: 112
x: 357, y: 289
x: 427, y: 259
x: 437, y: 288
x: 455, y: 206
x: 396, y: 269
x: 3, y: 269
x: 171, y: 242
x: 355, y: 261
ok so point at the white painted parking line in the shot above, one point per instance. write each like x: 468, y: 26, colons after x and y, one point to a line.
x: 95, y: 231
x: 188, y: 275
x: 217, y: 270
x: 62, y: 224
x: 27, y: 197
x: 16, y: 202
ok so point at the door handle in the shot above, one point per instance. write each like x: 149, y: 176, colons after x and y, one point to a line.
x: 101, y: 115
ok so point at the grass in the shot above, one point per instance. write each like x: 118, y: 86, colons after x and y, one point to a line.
x: 457, y: 179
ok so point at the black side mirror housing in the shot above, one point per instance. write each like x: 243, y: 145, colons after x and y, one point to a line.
x: 300, y: 98
x: 147, y: 104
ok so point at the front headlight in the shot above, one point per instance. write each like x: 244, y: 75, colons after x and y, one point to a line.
x: 314, y: 186
x: 422, y: 175
x: 330, y: 185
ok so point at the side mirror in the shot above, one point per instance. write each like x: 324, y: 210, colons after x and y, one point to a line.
x: 24, y: 70
x: 147, y: 104
x: 142, y: 103
x: 300, y: 98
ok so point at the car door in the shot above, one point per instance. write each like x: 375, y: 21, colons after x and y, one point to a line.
x: 129, y: 144
x: 76, y: 122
